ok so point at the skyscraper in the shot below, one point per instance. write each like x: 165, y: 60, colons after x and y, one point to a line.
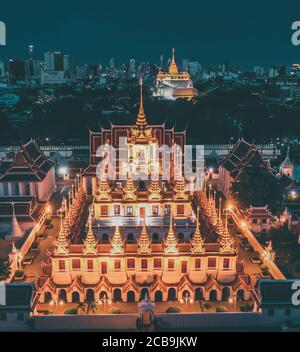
x: 54, y: 61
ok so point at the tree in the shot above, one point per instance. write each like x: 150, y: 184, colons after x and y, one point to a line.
x: 257, y: 187
x: 81, y: 307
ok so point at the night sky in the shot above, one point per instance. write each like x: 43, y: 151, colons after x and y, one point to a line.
x: 247, y: 33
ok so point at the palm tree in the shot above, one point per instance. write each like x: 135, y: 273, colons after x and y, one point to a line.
x: 81, y: 306
x: 91, y: 307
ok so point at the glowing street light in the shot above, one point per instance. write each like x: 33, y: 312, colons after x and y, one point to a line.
x: 186, y: 299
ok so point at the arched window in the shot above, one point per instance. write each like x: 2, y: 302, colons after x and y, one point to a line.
x: 172, y: 294
x: 75, y: 297
x: 90, y: 297
x: 225, y: 293
x: 117, y: 296
x: 47, y: 297
x: 105, y: 238
x: 130, y: 296
x: 158, y: 296
x: 155, y: 237
x: 142, y: 186
x: 130, y: 238
x: 199, y: 294
x: 62, y: 295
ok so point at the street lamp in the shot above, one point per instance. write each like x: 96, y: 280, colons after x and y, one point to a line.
x: 105, y: 301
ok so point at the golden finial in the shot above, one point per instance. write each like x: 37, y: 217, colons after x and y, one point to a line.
x: 197, y: 242
x: 141, y: 119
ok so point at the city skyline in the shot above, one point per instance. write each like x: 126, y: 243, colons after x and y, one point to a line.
x: 84, y: 31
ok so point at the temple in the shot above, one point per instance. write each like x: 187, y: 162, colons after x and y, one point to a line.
x: 174, y: 84
x: 143, y: 238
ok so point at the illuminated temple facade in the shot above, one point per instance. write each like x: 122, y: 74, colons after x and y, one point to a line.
x: 149, y: 237
x: 174, y: 84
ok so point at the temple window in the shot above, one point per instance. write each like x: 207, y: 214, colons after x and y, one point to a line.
x: 62, y: 265
x: 105, y: 238
x: 171, y: 264
x: 104, y: 210
x: 155, y: 237
x: 180, y: 209
x: 157, y: 263
x: 130, y: 238
x: 104, y: 268
x: 184, y: 267
x: 155, y: 210
x: 27, y: 189
x: 144, y: 264
x: 129, y: 211
x: 117, y: 209
x: 130, y: 263
x: 226, y: 263
x: 254, y: 221
x: 167, y: 209
x: 197, y: 264
x: 117, y: 264
x: 5, y: 189
x: 212, y: 263
x: 264, y: 221
x: 90, y: 265
x: 76, y: 264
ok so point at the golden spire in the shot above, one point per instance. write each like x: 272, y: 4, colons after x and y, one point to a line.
x: 173, y: 69
x: 141, y: 119
x: 154, y: 190
x: 104, y: 189
x: 144, y: 241
x: 171, y: 240
x: 129, y: 189
x: 117, y: 243
x: 180, y: 189
x: 61, y: 243
x: 90, y: 242
x: 197, y: 242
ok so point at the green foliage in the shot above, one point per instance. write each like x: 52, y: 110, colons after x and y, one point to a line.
x: 207, y: 306
x: 265, y: 271
x: 72, y: 311
x: 173, y: 309
x: 246, y: 308
x: 257, y: 187
x: 221, y: 309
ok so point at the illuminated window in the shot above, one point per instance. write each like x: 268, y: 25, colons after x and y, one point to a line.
x: 117, y: 264
x: 90, y: 264
x: 62, y: 265
x: 144, y: 264
x: 129, y: 211
x: 130, y: 263
x: 157, y: 263
x: 226, y: 263
x: 117, y: 209
x: 76, y: 264
x: 212, y: 263
x: 171, y: 264
x: 197, y: 264
x: 184, y: 267
x: 104, y: 268
x: 155, y: 210
x: 180, y: 209
x: 104, y: 210
x: 167, y: 209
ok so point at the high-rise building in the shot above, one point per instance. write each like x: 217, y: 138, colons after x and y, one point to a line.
x: 16, y: 68
x: 132, y: 66
x: 54, y: 61
x: 69, y: 64
x: 31, y: 52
